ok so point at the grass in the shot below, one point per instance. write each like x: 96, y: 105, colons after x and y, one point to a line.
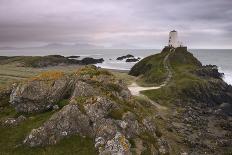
x: 11, y: 138
x: 182, y: 64
x: 63, y: 103
x: 151, y: 69
x: 128, y: 79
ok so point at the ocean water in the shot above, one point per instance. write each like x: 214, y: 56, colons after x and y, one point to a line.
x: 220, y: 57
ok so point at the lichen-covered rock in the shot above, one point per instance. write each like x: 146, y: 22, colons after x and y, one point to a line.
x: 130, y: 125
x: 83, y: 89
x: 68, y: 121
x: 117, y: 145
x: 38, y: 95
x: 99, y: 108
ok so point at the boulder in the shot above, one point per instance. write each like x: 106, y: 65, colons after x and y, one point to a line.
x: 39, y: 95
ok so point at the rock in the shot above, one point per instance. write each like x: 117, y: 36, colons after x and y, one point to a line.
x: 99, y: 108
x: 148, y: 122
x: 130, y: 125
x: 118, y: 145
x: 226, y: 108
x: 68, y: 121
x: 13, y: 121
x: 163, y: 147
x: 124, y: 57
x: 209, y: 71
x: 83, y: 89
x: 132, y: 60
x: 88, y: 60
x: 55, y: 107
x: 38, y: 95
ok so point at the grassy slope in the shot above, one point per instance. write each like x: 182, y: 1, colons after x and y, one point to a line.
x: 182, y: 64
x: 150, y: 69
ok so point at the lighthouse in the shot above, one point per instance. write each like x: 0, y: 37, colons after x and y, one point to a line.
x: 173, y: 39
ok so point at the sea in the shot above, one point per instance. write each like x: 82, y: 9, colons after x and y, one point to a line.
x: 220, y: 57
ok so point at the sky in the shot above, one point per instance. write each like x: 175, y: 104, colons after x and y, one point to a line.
x: 116, y: 23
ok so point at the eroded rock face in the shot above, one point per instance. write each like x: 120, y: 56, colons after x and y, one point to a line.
x: 83, y: 89
x: 92, y: 122
x: 118, y: 145
x: 68, y: 121
x: 38, y: 95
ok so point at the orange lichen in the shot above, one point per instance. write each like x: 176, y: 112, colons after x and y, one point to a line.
x: 50, y: 75
x: 123, y: 142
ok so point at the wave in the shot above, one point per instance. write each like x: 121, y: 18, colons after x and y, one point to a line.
x: 227, y: 76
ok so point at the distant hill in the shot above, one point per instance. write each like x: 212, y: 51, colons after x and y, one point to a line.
x: 57, y: 46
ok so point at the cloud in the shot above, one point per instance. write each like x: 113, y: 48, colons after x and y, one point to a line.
x: 108, y: 22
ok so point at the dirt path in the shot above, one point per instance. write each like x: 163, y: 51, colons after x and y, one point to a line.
x: 136, y: 89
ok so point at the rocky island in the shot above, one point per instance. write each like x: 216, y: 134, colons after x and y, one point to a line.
x: 180, y: 107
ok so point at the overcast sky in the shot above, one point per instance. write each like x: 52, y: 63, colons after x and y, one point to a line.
x: 116, y: 23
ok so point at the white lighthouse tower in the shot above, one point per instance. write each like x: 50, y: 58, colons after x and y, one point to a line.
x: 173, y: 39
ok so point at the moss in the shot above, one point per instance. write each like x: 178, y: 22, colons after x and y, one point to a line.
x: 117, y: 113
x: 63, y: 103
x: 112, y: 87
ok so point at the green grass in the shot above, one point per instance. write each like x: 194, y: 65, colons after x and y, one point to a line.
x: 11, y: 138
x: 151, y: 69
x: 182, y: 64
x: 63, y: 103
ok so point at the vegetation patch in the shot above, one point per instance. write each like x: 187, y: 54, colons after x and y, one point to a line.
x: 92, y: 71
x: 50, y: 75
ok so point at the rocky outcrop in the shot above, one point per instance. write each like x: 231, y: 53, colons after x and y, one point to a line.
x: 90, y: 120
x: 210, y: 93
x: 83, y: 89
x: 88, y: 60
x: 132, y: 60
x: 67, y: 121
x: 125, y: 57
x: 39, y: 95
x: 209, y: 71
x: 99, y: 107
